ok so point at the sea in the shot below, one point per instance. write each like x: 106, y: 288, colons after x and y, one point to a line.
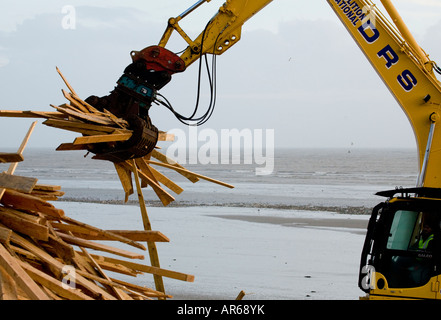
x: 301, y: 178
x: 293, y: 234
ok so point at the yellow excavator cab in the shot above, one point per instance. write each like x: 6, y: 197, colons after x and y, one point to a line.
x: 401, y: 255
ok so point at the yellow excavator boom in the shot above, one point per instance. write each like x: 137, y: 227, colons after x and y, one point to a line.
x: 390, y: 47
x: 222, y: 31
x: 407, y: 72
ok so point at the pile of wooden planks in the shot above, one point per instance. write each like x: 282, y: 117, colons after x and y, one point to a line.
x: 44, y: 254
x: 38, y: 248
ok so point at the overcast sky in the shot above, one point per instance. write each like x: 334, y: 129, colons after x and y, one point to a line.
x: 296, y: 69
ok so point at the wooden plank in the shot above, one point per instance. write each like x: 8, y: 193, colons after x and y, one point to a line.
x: 85, y: 107
x: 53, y: 284
x: 24, y: 143
x: 148, y: 179
x: 18, y: 183
x: 65, y: 107
x: 40, y: 219
x: 135, y: 235
x: 89, y: 107
x: 71, y: 147
x: 80, y: 127
x: 189, y: 172
x: 82, y: 264
x: 23, y: 226
x: 164, y: 136
x: 97, y: 246
x: 65, y: 81
x: 153, y: 252
x: 60, y: 248
x: 10, y: 157
x: 74, y: 103
x: 146, y: 291
x: 140, y: 235
x: 125, y: 176
x: 16, y: 114
x: 118, y: 292
x: 51, y: 294
x: 118, y: 121
x: 146, y: 176
x: 105, y: 233
x: 80, y: 104
x: 144, y: 168
x: 47, y: 187
x: 25, y: 254
x: 20, y: 150
x: 113, y: 284
x: 21, y: 201
x: 102, y: 138
x: 85, y: 233
x: 58, y: 267
x: 119, y: 268
x: 83, y: 116
x: 166, y: 181
x: 147, y: 269
x: 47, y: 192
x: 48, y: 196
x: 143, y: 292
x: 163, y: 158
x: 5, y: 235
x: 8, y: 290
x: 30, y: 114
x: 48, y: 115
x: 240, y: 295
x: 163, y: 195
x: 13, y: 268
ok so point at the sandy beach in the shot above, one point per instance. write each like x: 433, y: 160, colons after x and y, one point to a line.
x: 268, y: 253
x: 358, y: 225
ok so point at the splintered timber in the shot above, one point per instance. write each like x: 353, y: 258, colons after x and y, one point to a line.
x: 44, y: 254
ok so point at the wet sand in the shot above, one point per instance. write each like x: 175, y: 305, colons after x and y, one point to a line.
x: 359, y: 225
x: 267, y: 253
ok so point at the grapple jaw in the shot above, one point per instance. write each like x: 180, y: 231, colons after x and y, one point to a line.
x: 152, y: 68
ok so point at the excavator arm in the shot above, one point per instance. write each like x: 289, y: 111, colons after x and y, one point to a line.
x: 391, y: 49
x: 406, y: 70
x: 221, y: 32
x: 394, y: 53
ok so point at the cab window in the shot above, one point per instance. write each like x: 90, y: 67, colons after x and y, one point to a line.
x: 408, y: 258
x: 405, y: 230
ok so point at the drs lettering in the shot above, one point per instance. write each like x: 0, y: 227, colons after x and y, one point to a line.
x: 368, y: 30
x: 370, y: 33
